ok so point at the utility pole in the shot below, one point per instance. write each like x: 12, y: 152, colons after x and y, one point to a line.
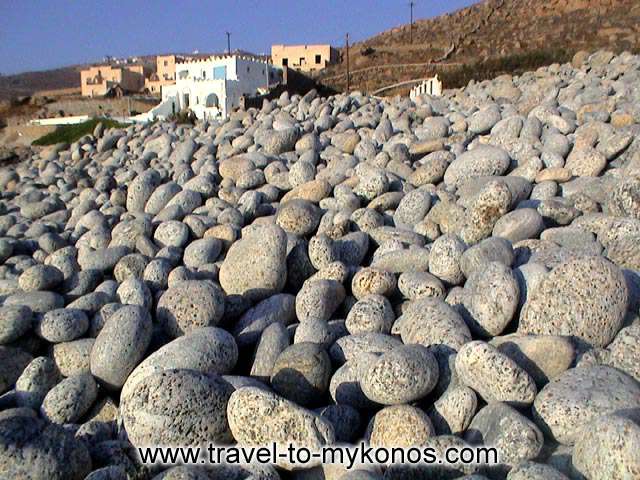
x: 411, y: 4
x: 266, y: 72
x: 348, y: 72
x: 228, y: 42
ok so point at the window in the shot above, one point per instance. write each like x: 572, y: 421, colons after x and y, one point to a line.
x: 248, y: 69
x: 166, y: 63
x: 318, y: 59
x: 220, y: 73
x: 183, y: 74
x: 186, y: 100
x: 302, y: 62
x: 285, y: 62
x: 204, y: 74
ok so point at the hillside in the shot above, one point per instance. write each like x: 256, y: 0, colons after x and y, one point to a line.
x: 27, y: 83
x: 487, y: 39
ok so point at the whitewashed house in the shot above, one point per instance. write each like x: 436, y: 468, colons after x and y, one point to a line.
x: 431, y: 86
x: 212, y: 87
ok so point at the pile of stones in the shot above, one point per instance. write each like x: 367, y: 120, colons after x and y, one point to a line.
x: 459, y: 271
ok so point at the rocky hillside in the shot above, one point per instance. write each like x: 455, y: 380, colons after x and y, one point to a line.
x: 24, y: 84
x: 462, y: 270
x: 523, y: 34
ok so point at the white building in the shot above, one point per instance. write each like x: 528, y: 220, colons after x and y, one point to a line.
x: 212, y: 87
x: 430, y: 86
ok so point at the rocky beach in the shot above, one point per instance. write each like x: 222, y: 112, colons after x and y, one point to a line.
x: 459, y: 270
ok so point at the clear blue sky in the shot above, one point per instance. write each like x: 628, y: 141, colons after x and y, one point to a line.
x: 42, y: 34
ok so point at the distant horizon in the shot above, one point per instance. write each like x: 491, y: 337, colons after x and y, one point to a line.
x: 43, y: 35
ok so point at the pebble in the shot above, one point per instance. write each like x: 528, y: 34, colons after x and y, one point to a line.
x: 492, y: 299
x: 273, y: 341
x: 278, y: 308
x: 516, y: 437
x: 519, y: 225
x: 492, y: 249
x: 177, y: 407
x: 318, y: 299
x: 453, y: 411
x: 38, y: 377
x: 372, y: 281
x: 569, y: 402
x: 70, y: 399
x: 481, y: 161
x: 493, y: 375
x: 208, y: 350
x: 171, y: 233
x: 189, y: 305
x: 202, y: 251
x: 444, y: 259
x: 301, y: 373
x: 255, y: 266
x: 73, y: 357
x: 62, y: 325
x: 415, y: 285
x: 405, y: 374
x: 257, y: 417
x: 593, y: 318
x: 12, y: 362
x: 121, y: 345
x: 399, y: 426
x: 535, y: 471
x: 608, y: 447
x: 15, y: 321
x: 432, y: 322
x: 544, y: 357
x: 33, y: 448
x: 372, y: 313
x: 298, y: 217
x: 40, y: 277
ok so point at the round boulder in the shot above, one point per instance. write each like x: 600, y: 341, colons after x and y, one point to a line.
x: 609, y: 448
x: 570, y: 402
x: 399, y: 426
x: 189, y: 305
x: 206, y: 350
x: 586, y: 298
x: 33, y: 448
x: 405, y: 374
x: 69, y: 400
x: 301, y: 373
x: 120, y: 345
x: 177, y: 407
x: 258, y: 417
x: 493, y: 375
x: 255, y: 266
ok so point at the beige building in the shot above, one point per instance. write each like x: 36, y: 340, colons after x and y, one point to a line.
x: 101, y: 80
x: 165, y: 74
x: 306, y: 58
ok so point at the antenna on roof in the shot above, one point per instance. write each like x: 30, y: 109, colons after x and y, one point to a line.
x: 228, y: 42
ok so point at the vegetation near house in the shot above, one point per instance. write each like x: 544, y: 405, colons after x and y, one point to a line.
x: 72, y: 133
x: 515, y: 64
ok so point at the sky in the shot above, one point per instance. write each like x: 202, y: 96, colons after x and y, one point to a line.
x: 44, y: 34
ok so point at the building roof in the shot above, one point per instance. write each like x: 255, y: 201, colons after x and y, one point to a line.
x: 241, y: 55
x: 305, y: 45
